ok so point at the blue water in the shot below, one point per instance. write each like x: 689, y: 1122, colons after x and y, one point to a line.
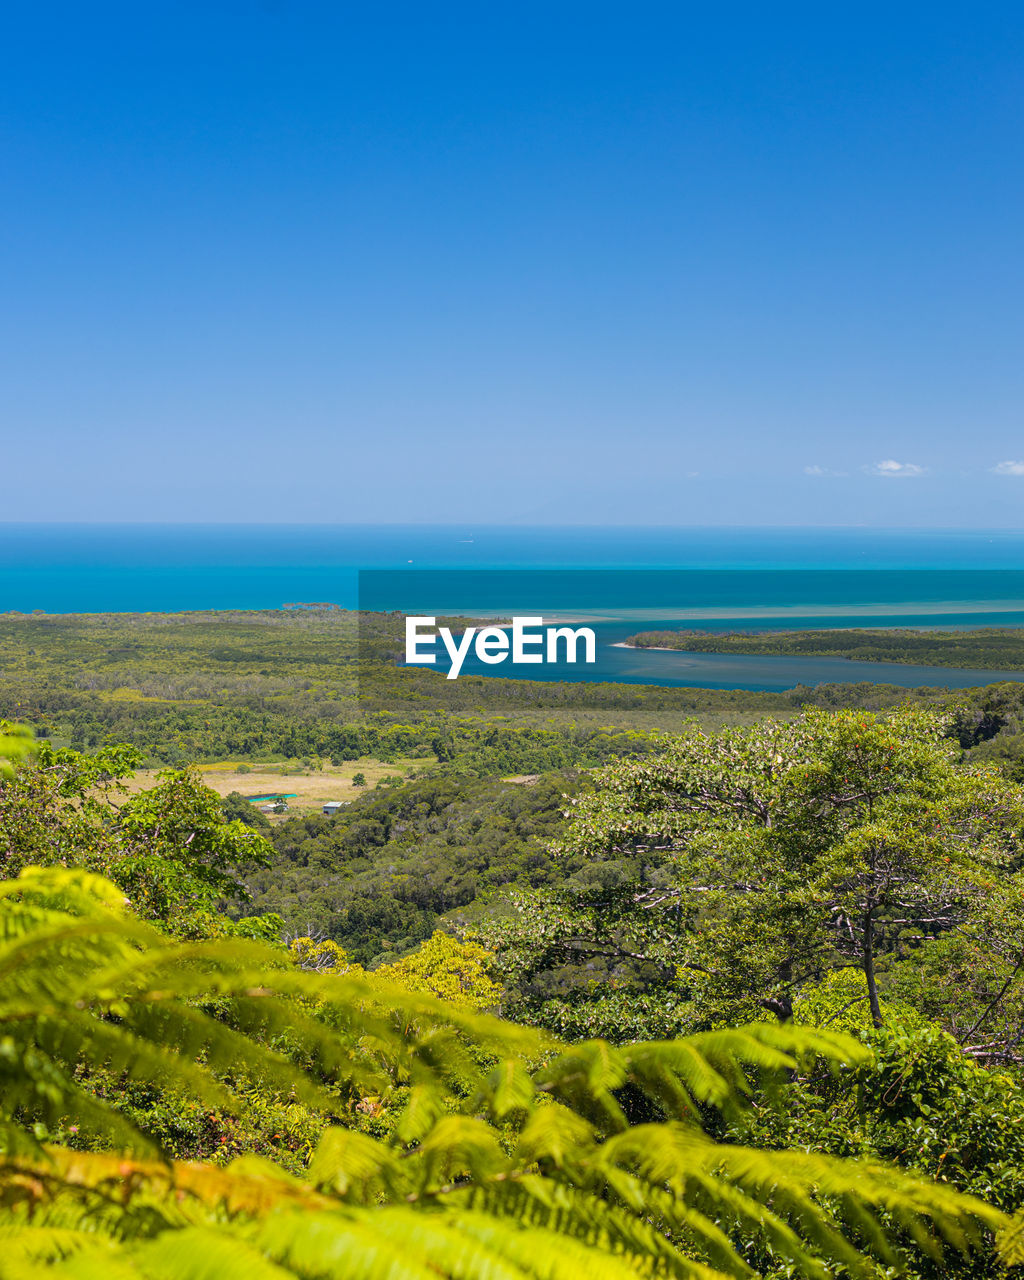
x: 732, y: 579
x: 118, y: 568
x: 727, y: 671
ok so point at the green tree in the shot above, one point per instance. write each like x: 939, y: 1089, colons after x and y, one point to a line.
x: 731, y: 871
x: 918, y: 1101
x: 972, y: 982
x: 234, y: 806
x: 168, y: 848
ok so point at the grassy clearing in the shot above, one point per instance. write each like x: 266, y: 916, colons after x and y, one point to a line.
x: 312, y: 787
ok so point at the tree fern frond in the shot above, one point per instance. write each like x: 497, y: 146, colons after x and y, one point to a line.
x: 423, y: 1108
x: 27, y: 1245
x: 549, y: 1255
x: 94, y: 1260
x: 585, y: 1077
x: 456, y: 1147
x: 708, y: 1060
x: 64, y: 1181
x: 16, y: 742
x: 799, y: 1041
x: 390, y: 1244
x: 684, y: 1160
x: 227, y: 1050
x: 1010, y: 1241
x: 89, y: 940
x: 688, y: 1223
x: 104, y: 1043
x: 63, y: 977
x: 68, y: 888
x: 352, y: 1165
x: 553, y: 1133
x: 400, y: 1244
x: 799, y: 1186
x: 676, y: 1075
x: 931, y: 1211
x: 509, y: 1088
x: 488, y: 1171
x: 202, y: 1253
x: 586, y: 1217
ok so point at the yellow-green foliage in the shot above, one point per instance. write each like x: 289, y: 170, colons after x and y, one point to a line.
x: 453, y: 969
x: 491, y: 1170
x: 840, y: 1001
x: 321, y: 955
x: 16, y: 742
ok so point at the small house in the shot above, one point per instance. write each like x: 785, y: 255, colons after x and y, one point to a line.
x: 332, y: 807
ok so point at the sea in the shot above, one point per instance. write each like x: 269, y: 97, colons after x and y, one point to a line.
x: 620, y: 579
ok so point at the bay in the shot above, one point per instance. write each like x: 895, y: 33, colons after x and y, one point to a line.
x: 733, y: 579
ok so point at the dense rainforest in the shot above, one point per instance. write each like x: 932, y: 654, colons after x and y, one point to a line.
x: 602, y: 980
x: 384, y: 873
x: 273, y: 684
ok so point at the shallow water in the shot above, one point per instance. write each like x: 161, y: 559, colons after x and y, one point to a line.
x: 631, y: 580
x: 731, y: 671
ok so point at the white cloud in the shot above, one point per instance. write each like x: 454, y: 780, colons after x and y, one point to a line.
x: 892, y: 470
x: 822, y: 471
x: 1008, y: 469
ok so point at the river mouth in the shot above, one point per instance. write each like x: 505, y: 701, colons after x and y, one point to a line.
x: 620, y: 663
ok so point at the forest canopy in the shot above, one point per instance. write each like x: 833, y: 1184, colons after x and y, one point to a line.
x: 441, y: 1141
x: 621, y: 980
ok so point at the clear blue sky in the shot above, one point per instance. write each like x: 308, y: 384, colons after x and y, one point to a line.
x: 551, y: 262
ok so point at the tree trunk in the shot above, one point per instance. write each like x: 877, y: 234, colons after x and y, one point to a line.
x: 781, y: 1006
x: 868, y: 955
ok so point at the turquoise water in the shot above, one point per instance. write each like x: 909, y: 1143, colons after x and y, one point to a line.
x: 710, y: 578
x: 735, y: 671
x: 92, y: 568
